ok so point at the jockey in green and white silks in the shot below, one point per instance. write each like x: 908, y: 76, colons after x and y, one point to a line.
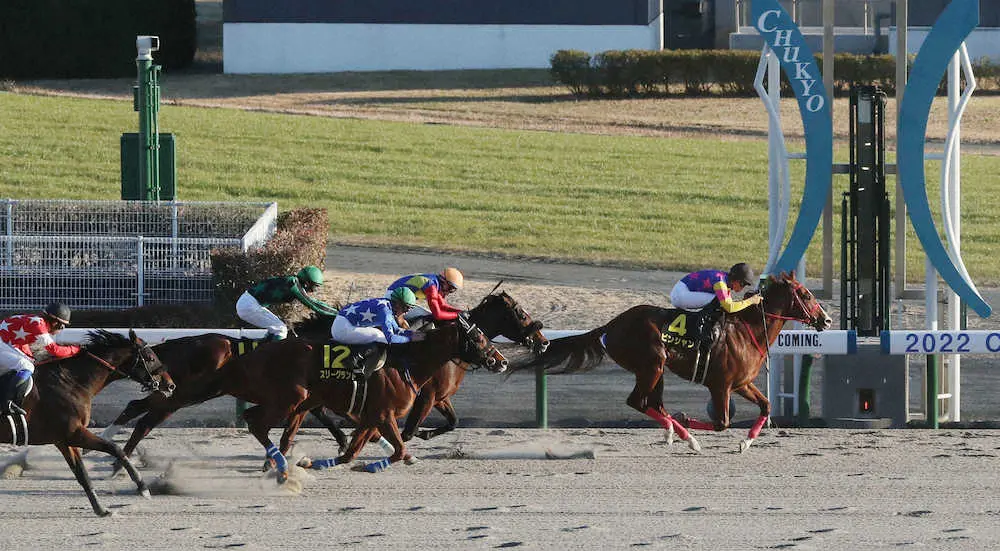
x: 252, y: 304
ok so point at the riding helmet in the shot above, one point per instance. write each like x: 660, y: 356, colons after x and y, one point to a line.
x: 311, y: 274
x: 58, y: 311
x: 453, y: 276
x: 403, y: 295
x: 741, y: 272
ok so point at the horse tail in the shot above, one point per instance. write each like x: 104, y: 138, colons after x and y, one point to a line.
x: 575, y: 353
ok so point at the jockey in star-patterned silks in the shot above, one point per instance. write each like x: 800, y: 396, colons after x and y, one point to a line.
x: 252, y: 304
x: 698, y: 289
x: 373, y: 320
x: 18, y: 335
x: 433, y: 288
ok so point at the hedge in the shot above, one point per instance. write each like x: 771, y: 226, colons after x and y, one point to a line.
x: 651, y: 73
x: 300, y: 240
x: 91, y: 38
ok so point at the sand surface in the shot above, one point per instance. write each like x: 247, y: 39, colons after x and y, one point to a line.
x: 492, y: 488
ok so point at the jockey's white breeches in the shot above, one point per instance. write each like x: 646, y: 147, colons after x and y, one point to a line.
x: 12, y: 359
x: 250, y: 311
x: 343, y: 331
x: 682, y: 297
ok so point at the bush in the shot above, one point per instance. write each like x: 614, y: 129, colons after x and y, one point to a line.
x: 300, y: 240
x: 630, y: 73
x: 571, y: 68
x: 91, y: 38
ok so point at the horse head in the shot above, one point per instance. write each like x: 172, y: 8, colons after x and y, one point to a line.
x: 499, y: 314
x: 787, y: 299
x: 129, y: 357
x: 476, y: 348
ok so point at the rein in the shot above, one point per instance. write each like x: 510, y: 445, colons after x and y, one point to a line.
x: 110, y: 367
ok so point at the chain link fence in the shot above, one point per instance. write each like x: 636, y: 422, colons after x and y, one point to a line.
x: 106, y: 255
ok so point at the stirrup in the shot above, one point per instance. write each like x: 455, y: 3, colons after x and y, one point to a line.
x: 10, y: 408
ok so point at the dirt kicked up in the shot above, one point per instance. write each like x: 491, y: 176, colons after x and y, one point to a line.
x: 534, y: 489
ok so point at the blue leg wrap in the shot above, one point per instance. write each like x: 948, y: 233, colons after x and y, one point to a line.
x: 325, y: 463
x: 279, y: 460
x: 377, y: 466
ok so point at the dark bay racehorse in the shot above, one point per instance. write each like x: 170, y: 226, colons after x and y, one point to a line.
x: 58, y: 406
x: 496, y: 314
x: 634, y: 340
x: 186, y: 360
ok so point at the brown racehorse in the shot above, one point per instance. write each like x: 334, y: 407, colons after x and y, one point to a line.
x: 186, y: 360
x: 58, y: 406
x: 391, y: 391
x: 634, y: 341
x: 497, y: 314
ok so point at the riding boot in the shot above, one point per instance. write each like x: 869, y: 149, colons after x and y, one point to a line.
x: 359, y: 360
x: 17, y: 388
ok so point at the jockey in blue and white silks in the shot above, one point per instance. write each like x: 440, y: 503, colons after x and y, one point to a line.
x: 373, y: 320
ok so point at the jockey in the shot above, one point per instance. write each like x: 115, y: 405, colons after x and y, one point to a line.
x: 373, y: 320
x: 433, y: 288
x: 252, y: 304
x: 709, y: 290
x: 18, y: 334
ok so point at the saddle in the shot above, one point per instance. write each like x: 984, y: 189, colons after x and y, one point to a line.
x: 687, y: 332
x: 354, y: 363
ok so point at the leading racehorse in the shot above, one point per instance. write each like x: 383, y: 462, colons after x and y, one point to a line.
x: 58, y: 406
x: 635, y: 341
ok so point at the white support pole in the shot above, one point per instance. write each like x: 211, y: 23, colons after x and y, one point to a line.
x: 829, y: 50
x: 954, y: 179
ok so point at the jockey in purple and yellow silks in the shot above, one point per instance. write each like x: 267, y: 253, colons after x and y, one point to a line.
x: 709, y: 290
x: 433, y: 288
x: 698, y: 289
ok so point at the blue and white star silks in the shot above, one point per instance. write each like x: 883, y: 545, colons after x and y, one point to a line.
x: 376, y: 312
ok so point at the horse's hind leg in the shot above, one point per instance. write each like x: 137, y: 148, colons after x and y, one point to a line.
x: 288, y: 435
x: 647, y: 398
x: 75, y: 462
x: 85, y: 439
x: 752, y: 393
x: 134, y: 409
x: 321, y: 415
x: 390, y: 431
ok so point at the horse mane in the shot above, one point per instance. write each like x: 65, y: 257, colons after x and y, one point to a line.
x: 100, y: 341
x: 315, y: 323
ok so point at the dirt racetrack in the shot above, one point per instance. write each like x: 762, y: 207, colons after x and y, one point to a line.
x: 491, y: 488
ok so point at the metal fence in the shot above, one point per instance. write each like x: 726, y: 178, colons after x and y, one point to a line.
x: 119, y: 254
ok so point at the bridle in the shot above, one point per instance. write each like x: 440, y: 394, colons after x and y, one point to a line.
x: 525, y: 327
x: 472, y: 334
x: 140, y: 359
x: 812, y: 312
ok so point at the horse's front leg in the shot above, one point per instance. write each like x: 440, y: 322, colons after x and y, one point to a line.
x: 87, y: 440
x: 752, y: 393
x: 390, y: 431
x: 421, y: 408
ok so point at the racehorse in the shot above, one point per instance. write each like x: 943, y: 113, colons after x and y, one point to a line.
x: 635, y: 341
x: 185, y: 360
x: 279, y: 376
x: 58, y: 406
x: 496, y: 314
x: 391, y: 392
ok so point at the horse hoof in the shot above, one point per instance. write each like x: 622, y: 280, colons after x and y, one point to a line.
x: 669, y: 437
x: 103, y: 513
x: 145, y: 493
x: 693, y: 444
x: 305, y: 463
x: 268, y: 465
x: 745, y: 445
x: 282, y: 478
x: 410, y: 460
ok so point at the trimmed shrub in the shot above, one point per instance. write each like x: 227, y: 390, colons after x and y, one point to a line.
x: 571, y: 68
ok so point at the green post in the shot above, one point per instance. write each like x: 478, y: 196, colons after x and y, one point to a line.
x: 805, y: 380
x: 147, y: 103
x: 932, y: 392
x: 541, y: 399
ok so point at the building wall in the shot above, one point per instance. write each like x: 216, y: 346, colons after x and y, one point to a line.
x: 307, y: 36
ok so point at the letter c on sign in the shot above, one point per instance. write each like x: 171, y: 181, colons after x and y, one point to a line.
x: 763, y: 18
x: 993, y: 342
